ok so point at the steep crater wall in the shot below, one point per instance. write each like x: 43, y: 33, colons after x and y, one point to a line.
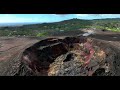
x: 71, y: 56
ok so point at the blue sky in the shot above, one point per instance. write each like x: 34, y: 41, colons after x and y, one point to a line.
x: 12, y: 18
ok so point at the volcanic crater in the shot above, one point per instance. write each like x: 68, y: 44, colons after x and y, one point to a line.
x: 70, y: 56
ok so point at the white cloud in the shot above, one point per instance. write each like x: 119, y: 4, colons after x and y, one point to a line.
x: 82, y: 15
x: 12, y: 18
x: 8, y: 18
x: 110, y: 15
x: 97, y: 16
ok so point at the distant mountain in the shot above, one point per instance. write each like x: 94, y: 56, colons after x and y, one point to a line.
x: 40, y: 29
x: 15, y: 24
x: 110, y: 19
x: 74, y: 20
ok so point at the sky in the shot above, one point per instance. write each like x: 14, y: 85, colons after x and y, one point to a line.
x: 17, y: 18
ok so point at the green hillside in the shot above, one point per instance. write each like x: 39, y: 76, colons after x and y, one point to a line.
x: 108, y: 24
x: 45, y: 29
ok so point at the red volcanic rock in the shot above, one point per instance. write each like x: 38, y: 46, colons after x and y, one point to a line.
x: 71, y: 56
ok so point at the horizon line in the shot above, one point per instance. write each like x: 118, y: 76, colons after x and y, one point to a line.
x: 60, y: 20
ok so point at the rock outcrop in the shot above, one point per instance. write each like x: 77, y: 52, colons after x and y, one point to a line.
x: 71, y: 56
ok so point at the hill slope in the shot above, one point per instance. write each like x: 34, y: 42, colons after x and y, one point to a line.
x: 65, y: 26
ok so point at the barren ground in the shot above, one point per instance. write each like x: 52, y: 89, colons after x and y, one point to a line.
x: 11, y: 49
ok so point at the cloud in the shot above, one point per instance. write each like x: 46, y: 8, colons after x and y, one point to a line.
x: 12, y: 18
x: 7, y: 18
x: 61, y: 15
x: 82, y: 15
x: 110, y: 15
x: 97, y: 16
x: 86, y: 15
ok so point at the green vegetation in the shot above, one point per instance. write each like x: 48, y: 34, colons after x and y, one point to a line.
x: 42, y: 34
x: 45, y: 29
x: 108, y: 24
